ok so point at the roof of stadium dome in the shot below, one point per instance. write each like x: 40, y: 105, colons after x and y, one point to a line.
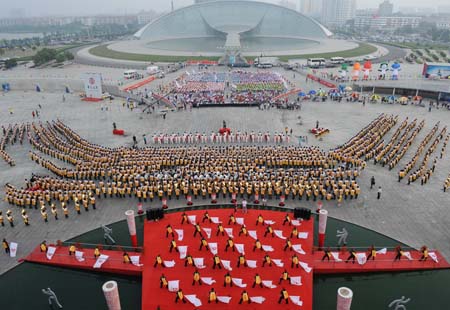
x: 243, y: 18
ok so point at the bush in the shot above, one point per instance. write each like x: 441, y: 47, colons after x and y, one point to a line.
x: 10, y: 63
x: 419, y: 52
x: 443, y: 54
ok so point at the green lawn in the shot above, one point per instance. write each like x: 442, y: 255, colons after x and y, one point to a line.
x: 104, y: 51
x: 362, y: 49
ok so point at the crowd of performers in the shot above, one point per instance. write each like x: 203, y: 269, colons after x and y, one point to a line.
x: 11, y: 135
x: 210, y: 87
x: 236, y: 137
x: 91, y: 171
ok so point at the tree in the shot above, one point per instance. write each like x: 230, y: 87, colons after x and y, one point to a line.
x: 68, y: 55
x: 60, y: 57
x: 44, y: 55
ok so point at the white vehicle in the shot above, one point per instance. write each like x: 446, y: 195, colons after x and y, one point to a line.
x: 369, y: 57
x: 130, y: 74
x: 337, y: 60
x: 151, y: 70
x: 315, y: 62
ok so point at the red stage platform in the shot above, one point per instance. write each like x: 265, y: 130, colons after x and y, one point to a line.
x: 382, y: 263
x: 155, y: 242
x: 61, y: 258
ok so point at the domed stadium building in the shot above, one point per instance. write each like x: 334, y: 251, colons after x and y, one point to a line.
x: 215, y: 28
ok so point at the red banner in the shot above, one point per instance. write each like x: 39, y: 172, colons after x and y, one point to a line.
x: 321, y: 81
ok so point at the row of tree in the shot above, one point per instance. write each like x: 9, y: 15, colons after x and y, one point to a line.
x: 46, y: 55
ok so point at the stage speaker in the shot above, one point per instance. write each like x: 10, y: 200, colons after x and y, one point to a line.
x: 154, y: 214
x: 302, y: 213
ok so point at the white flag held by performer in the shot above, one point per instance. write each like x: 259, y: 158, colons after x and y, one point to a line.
x: 192, y: 219
x: 229, y: 232
x: 224, y: 299
x: 298, y: 248
x: 135, y: 260
x: 407, y: 255
x: 183, y: 251
x: 269, y: 222
x: 208, y: 232
x: 279, y: 234
x: 180, y: 233
x: 302, y: 235
x: 50, y: 252
x: 199, y: 262
x: 278, y: 262
x: 169, y: 263
x: 251, y: 263
x: 268, y: 284
x: 433, y: 256
x: 13, y: 249
x: 361, y: 258
x: 100, y: 260
x: 194, y: 300
x: 173, y: 286
x: 208, y: 280
x: 239, y: 247
x: 336, y: 256
x: 79, y: 256
x: 252, y: 233
x: 305, y: 267
x: 257, y: 299
x: 238, y: 282
x: 382, y: 251
x: 296, y: 281
x: 213, y: 247
x: 296, y: 300
x: 226, y: 264
x: 267, y: 248
x: 296, y: 222
x: 215, y: 220
x: 240, y: 220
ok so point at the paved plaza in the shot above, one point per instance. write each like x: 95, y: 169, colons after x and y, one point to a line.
x: 414, y: 214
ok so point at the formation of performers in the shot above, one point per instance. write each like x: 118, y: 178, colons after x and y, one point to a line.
x: 372, y: 253
x: 217, y: 262
x: 91, y: 171
x: 10, y: 135
x: 236, y: 137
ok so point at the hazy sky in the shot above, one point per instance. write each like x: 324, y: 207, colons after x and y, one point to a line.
x: 97, y: 7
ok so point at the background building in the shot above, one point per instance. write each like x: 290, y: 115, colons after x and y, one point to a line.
x: 375, y: 22
x: 337, y: 12
x: 310, y: 7
x: 385, y: 8
x: 287, y: 4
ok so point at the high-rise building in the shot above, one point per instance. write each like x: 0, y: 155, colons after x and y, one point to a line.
x: 287, y: 4
x: 310, y: 7
x: 306, y: 7
x: 385, y: 8
x: 338, y: 12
